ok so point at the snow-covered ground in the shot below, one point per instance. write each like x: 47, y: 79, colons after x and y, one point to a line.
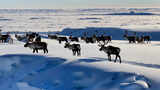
x: 20, y: 69
x: 59, y: 70
x: 57, y: 20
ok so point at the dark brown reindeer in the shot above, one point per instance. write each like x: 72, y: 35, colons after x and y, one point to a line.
x: 76, y: 48
x: 20, y: 37
x: 73, y: 39
x: 139, y: 39
x: 60, y: 39
x: 3, y: 38
x: 110, y: 50
x: 37, y: 46
x: 147, y: 39
x: 104, y: 38
x: 52, y: 36
x: 131, y: 39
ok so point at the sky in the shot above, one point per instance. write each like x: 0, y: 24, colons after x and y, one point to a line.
x: 62, y: 4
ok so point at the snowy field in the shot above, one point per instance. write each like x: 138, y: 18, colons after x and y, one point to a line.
x: 57, y: 20
x: 59, y: 70
x: 20, y: 69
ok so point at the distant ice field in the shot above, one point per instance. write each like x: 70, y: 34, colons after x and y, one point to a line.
x: 44, y: 20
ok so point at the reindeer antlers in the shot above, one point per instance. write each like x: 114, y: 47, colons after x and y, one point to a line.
x: 102, y: 44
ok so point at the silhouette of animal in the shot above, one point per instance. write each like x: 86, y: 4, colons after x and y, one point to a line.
x: 31, y: 36
x: 111, y: 50
x: 104, y: 38
x: 4, y: 38
x: 37, y: 46
x: 108, y: 38
x: 60, y: 39
x: 147, y: 39
x: 89, y: 40
x: 20, y: 37
x: 38, y: 39
x: 52, y: 36
x: 139, y: 39
x: 131, y: 39
x: 76, y: 48
x: 74, y: 39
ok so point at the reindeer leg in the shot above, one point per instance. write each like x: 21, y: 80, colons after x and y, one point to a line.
x: 73, y: 52
x: 119, y: 58
x: 33, y: 50
x: 79, y: 52
x: 37, y: 50
x: 109, y: 57
x: 46, y: 50
x: 116, y: 58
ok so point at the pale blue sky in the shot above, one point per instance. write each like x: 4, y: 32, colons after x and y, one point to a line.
x: 51, y: 4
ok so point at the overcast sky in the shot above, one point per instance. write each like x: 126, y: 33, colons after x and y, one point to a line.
x: 53, y: 4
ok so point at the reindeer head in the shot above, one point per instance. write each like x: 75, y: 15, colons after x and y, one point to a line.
x: 102, y: 46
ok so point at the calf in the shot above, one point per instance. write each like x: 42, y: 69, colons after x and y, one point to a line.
x: 37, y: 46
x: 76, y: 48
x: 111, y: 50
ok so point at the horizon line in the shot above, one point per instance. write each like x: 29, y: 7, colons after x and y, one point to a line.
x: 89, y: 8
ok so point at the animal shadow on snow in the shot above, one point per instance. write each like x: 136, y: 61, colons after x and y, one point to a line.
x: 94, y: 59
x: 97, y: 59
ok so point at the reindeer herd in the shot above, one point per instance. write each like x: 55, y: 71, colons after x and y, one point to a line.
x: 33, y: 41
x: 137, y: 39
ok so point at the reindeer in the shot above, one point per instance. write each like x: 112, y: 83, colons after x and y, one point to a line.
x: 131, y: 39
x: 3, y: 38
x: 139, y: 39
x: 104, y: 38
x: 76, y: 48
x: 60, y: 39
x: 74, y: 39
x: 111, y: 50
x: 147, y: 38
x: 10, y: 40
x: 37, y: 46
x: 52, y: 36
x: 20, y: 37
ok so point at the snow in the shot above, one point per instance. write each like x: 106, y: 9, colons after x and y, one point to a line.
x: 57, y: 20
x: 60, y: 70
x: 20, y: 69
